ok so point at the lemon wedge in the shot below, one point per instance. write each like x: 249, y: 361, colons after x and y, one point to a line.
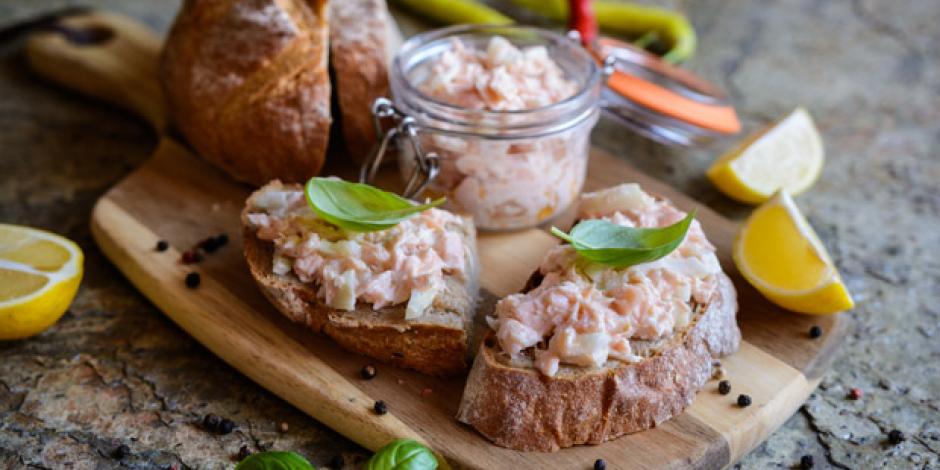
x: 787, y: 155
x: 39, y: 276
x: 778, y: 252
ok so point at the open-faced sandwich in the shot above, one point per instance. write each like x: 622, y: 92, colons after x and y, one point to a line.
x: 615, y: 332
x: 379, y: 275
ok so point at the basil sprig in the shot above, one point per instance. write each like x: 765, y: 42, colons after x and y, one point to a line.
x: 357, y: 207
x: 607, y: 243
x: 402, y: 454
x: 274, y: 460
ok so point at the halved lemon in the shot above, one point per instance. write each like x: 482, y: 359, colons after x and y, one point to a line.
x: 39, y: 276
x: 778, y: 252
x: 787, y: 155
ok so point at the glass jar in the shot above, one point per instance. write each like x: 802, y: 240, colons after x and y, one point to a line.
x: 509, y: 169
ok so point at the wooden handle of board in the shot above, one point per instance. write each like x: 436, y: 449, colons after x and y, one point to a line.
x: 110, y: 57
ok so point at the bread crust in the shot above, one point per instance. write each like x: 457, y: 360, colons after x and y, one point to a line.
x: 519, y: 408
x: 363, y: 40
x: 247, y: 84
x: 435, y: 343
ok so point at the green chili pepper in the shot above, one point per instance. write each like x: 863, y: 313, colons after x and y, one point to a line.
x: 636, y: 20
x: 455, y: 11
x: 632, y: 20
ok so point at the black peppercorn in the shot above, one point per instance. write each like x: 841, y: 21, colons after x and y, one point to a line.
x: 815, y: 332
x: 226, y: 426
x: 192, y: 280
x: 806, y: 462
x: 209, y: 245
x: 221, y: 240
x: 211, y: 422
x: 368, y: 371
x: 162, y: 245
x: 895, y: 437
x: 243, y: 453
x: 336, y: 462
x: 724, y: 387
x: 600, y: 464
x: 380, y: 408
x: 120, y: 452
x: 744, y: 400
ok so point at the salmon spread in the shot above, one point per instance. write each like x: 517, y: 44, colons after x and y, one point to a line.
x: 500, y: 78
x: 504, y: 182
x: 407, y: 262
x: 585, y: 314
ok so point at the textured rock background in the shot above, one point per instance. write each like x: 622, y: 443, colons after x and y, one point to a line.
x: 115, y: 371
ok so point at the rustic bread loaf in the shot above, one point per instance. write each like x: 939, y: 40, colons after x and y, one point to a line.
x: 248, y: 85
x: 435, y: 343
x: 363, y: 40
x: 515, y: 406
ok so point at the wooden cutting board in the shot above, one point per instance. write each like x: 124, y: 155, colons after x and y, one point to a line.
x: 176, y: 196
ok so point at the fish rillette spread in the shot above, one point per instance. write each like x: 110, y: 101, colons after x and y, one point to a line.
x: 586, y: 314
x: 405, y: 263
x: 505, y: 183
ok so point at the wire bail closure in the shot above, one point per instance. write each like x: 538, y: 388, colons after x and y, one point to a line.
x: 427, y: 164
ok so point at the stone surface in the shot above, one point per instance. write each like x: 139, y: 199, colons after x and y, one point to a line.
x: 115, y: 371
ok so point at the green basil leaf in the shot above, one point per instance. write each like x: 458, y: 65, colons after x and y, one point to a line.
x: 403, y: 454
x: 359, y: 207
x: 607, y: 243
x: 274, y: 461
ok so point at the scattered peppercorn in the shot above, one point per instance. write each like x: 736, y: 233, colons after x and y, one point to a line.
x: 211, y: 422
x: 600, y: 464
x: 192, y: 280
x: 226, y: 426
x: 815, y: 332
x: 855, y: 393
x: 162, y: 245
x: 724, y: 387
x: 209, y: 245
x: 190, y: 257
x: 368, y: 371
x: 120, y: 452
x: 221, y: 240
x: 896, y: 437
x: 283, y: 427
x: 336, y: 461
x: 380, y: 408
x: 744, y: 400
x: 243, y: 453
x: 806, y: 462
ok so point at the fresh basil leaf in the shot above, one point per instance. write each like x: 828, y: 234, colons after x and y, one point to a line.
x: 274, y: 460
x: 607, y: 243
x: 403, y: 454
x: 359, y: 207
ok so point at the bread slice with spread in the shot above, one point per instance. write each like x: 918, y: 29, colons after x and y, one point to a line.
x: 588, y: 353
x: 405, y: 295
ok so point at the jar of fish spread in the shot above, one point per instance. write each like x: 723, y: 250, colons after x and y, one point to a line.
x: 495, y: 118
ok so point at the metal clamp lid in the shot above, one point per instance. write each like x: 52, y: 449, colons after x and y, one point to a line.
x: 427, y: 163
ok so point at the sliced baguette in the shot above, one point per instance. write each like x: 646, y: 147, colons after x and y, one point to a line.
x: 363, y: 40
x: 435, y: 343
x: 515, y: 406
